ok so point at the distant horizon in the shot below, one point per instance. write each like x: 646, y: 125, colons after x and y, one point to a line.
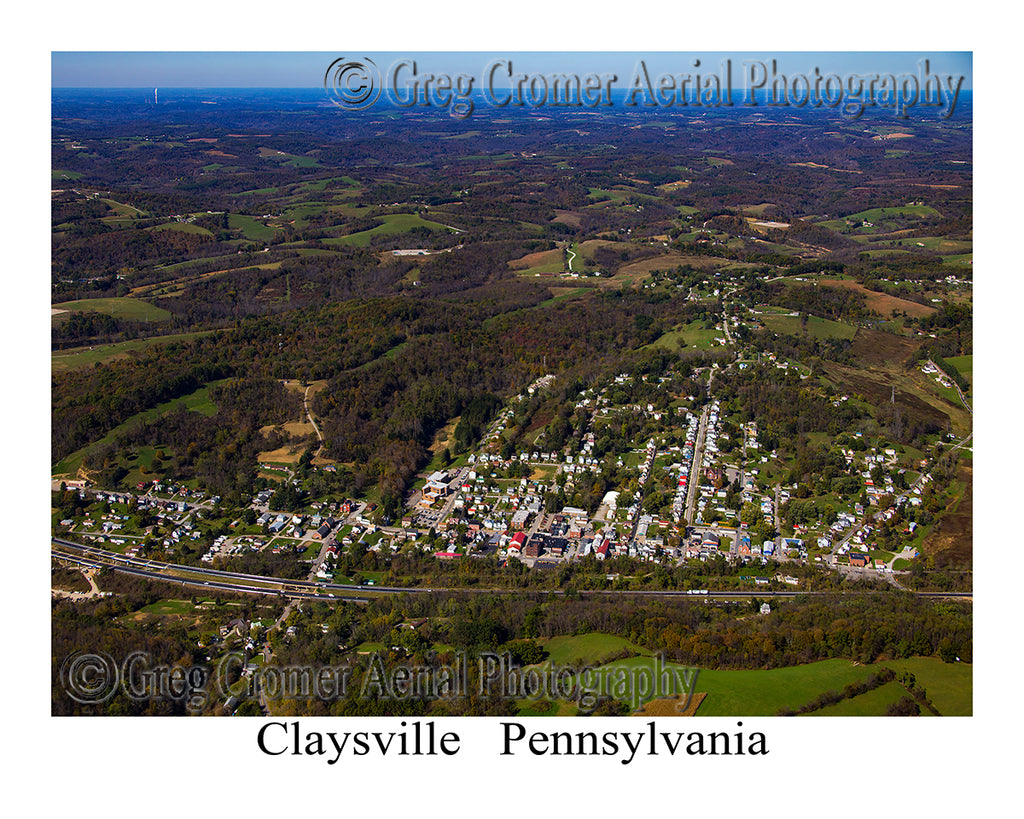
x: 306, y: 70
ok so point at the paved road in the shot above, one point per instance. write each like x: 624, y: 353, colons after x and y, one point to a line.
x: 231, y: 581
x: 696, y: 467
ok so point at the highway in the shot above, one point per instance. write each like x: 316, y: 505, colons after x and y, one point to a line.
x: 93, y: 557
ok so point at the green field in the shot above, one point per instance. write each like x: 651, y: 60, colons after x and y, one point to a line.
x: 257, y: 191
x: 935, y: 244
x: 964, y: 365
x: 870, y: 704
x: 881, y: 218
x: 816, y: 327
x: 764, y: 693
x: 551, y: 261
x: 87, y: 356
x: 183, y: 227
x: 289, y: 159
x: 572, y: 294
x: 592, y: 649
x: 251, y: 228
x: 879, y: 214
x: 179, y: 607
x: 545, y: 708
x: 121, y: 209
x: 390, y: 225
x: 939, y: 244
x: 230, y: 261
x: 692, y: 335
x: 602, y: 196
x: 118, y: 308
x: 300, y: 213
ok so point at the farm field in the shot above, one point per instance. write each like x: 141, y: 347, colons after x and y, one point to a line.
x: 117, y: 307
x: 632, y: 274
x: 964, y: 365
x: 559, y: 294
x: 868, y: 704
x: 543, y: 261
x: 390, y: 225
x: 816, y: 327
x: 932, y: 243
x: 882, y: 303
x: 765, y: 692
x: 882, y: 218
x: 592, y: 649
x: 692, y: 335
x: 251, y: 228
x: 183, y: 227
x: 74, y: 358
x: 289, y: 159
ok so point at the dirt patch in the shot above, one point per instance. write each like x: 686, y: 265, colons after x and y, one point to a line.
x: 69, y: 580
x: 877, y: 390
x: 290, y: 453
x: 951, y: 542
x: 567, y: 217
x: 880, y: 302
x: 893, y: 136
x: 541, y: 419
x: 444, y: 436
x: 874, y: 347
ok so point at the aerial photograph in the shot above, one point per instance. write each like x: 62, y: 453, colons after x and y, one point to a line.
x: 512, y: 384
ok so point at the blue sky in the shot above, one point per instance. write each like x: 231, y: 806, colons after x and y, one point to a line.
x: 239, y: 69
